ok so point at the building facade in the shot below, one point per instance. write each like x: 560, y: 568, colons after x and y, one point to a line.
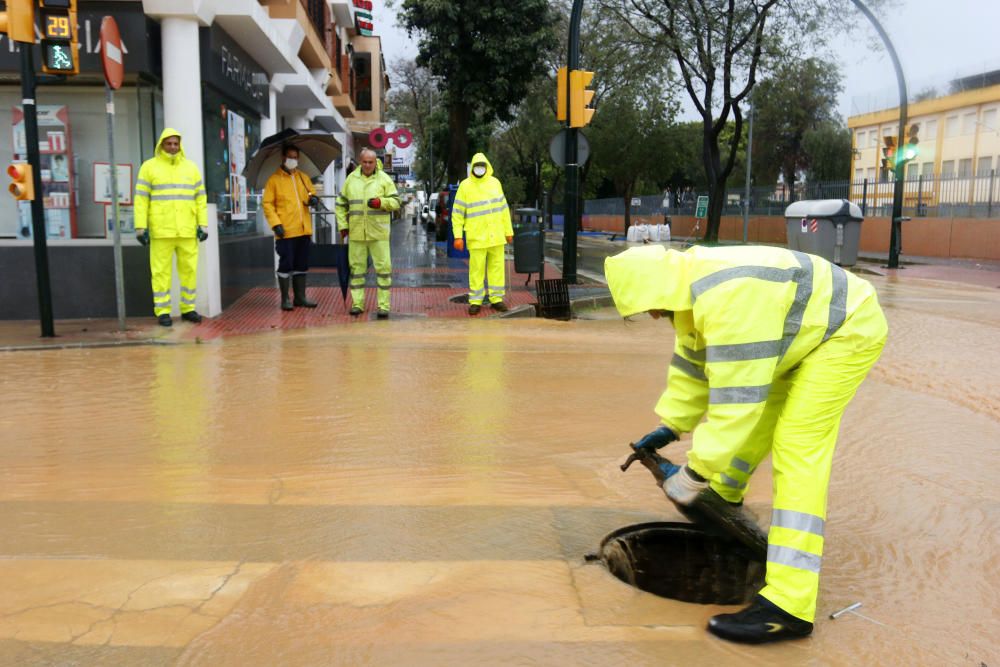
x: 226, y: 74
x: 959, y: 149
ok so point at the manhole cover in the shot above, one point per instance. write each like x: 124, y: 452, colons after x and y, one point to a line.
x: 682, y: 562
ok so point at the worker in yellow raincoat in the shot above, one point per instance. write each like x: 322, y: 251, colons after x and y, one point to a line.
x: 364, y: 211
x: 771, y: 345
x: 481, y: 213
x: 288, y: 194
x: 171, y: 217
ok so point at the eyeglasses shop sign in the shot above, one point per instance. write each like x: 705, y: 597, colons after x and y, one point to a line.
x: 228, y: 68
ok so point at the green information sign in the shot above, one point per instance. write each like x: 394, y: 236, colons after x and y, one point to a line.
x: 701, y: 209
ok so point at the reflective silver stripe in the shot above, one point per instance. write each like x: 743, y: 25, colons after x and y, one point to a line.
x: 486, y: 212
x: 283, y: 275
x: 768, y: 273
x: 484, y: 202
x: 802, y: 560
x: 478, y: 292
x: 729, y: 481
x: 459, y: 202
x: 696, y: 355
x: 688, y: 368
x: 187, y: 302
x: 172, y: 197
x: 740, y: 464
x: 199, y: 184
x: 156, y: 294
x: 723, y: 395
x: 744, y: 351
x: 176, y: 186
x: 384, y: 275
x: 189, y: 290
x: 355, y: 201
x: 803, y: 292
x: 838, y: 301
x: 807, y: 523
x: 140, y: 193
x: 141, y: 181
x: 497, y: 292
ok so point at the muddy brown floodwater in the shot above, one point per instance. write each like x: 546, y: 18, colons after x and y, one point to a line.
x: 424, y: 493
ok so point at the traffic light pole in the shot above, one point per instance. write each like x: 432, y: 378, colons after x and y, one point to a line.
x: 571, y: 220
x: 896, y: 233
x: 37, y: 204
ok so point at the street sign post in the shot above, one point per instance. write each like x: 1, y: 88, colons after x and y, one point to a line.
x: 701, y: 208
x: 114, y: 72
x: 557, y: 148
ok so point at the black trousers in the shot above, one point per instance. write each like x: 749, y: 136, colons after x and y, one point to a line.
x: 293, y: 255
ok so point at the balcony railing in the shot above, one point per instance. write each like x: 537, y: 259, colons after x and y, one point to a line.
x: 315, y: 10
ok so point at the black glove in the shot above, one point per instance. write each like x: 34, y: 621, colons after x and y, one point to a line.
x: 142, y: 236
x: 313, y: 201
x: 201, y: 234
x: 279, y: 231
x: 653, y: 440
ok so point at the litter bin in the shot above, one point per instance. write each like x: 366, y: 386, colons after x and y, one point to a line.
x: 529, y: 241
x: 829, y: 228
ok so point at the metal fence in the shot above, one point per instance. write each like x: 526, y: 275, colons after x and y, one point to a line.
x: 923, y: 196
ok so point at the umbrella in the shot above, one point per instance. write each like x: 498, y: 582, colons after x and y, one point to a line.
x: 317, y: 149
x: 340, y: 259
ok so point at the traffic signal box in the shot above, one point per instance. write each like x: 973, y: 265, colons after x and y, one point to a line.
x: 18, y: 22
x: 561, y: 94
x: 22, y: 186
x: 60, y: 46
x: 580, y: 98
x: 889, y: 153
x: 910, y: 150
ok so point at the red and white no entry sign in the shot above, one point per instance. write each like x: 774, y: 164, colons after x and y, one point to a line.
x: 112, y: 58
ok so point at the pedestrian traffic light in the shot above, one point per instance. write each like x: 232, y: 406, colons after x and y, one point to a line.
x: 22, y: 186
x: 580, y: 98
x: 18, y: 22
x: 561, y: 94
x: 910, y: 150
x: 60, y: 47
x: 889, y: 152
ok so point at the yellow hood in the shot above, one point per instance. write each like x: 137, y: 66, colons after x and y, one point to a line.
x: 476, y: 159
x: 159, y: 152
x: 648, y: 278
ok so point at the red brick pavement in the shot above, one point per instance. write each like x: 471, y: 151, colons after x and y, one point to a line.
x: 258, y: 310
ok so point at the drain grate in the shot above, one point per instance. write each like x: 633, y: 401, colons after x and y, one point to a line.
x: 682, y: 562
x: 553, y: 299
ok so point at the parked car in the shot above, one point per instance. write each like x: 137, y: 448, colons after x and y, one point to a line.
x: 425, y: 214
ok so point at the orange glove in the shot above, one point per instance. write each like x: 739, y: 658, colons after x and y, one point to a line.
x: 510, y: 239
x: 460, y: 245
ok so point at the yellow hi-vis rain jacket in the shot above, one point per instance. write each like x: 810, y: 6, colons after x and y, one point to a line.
x: 481, y: 210
x: 744, y: 318
x: 170, y: 197
x: 285, y: 202
x: 353, y: 214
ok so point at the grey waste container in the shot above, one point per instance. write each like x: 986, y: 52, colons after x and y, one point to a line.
x: 529, y: 240
x: 829, y: 228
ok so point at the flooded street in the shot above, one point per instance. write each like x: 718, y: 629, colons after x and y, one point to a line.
x: 424, y: 491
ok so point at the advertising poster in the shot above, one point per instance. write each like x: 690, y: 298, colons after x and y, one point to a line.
x: 237, y: 161
x: 125, y: 215
x: 102, y: 183
x: 55, y: 146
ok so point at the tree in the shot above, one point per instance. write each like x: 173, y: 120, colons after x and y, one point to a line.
x: 485, y: 54
x: 718, y: 47
x: 411, y: 103
x: 797, y: 98
x: 828, y: 147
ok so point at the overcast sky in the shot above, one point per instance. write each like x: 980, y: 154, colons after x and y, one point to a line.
x: 936, y: 40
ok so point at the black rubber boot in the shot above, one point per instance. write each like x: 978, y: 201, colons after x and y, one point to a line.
x: 299, y: 287
x: 763, y: 621
x: 474, y: 309
x: 165, y: 320
x: 191, y: 316
x: 284, y: 283
x: 499, y: 306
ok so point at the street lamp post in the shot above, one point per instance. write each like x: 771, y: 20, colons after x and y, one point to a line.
x: 896, y: 233
x: 571, y: 218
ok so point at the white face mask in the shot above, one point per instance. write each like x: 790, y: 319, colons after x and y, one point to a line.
x: 291, y: 163
x: 479, y: 171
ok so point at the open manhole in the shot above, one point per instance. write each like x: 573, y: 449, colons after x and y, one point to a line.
x: 683, y: 562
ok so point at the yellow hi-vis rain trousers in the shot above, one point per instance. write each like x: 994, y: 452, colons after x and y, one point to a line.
x: 486, y: 263
x: 357, y: 255
x: 161, y: 255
